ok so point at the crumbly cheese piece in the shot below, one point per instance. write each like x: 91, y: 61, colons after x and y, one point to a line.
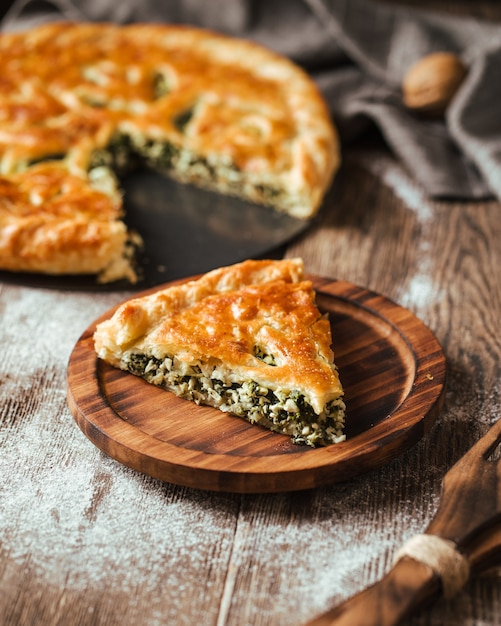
x: 204, y: 108
x: 247, y: 339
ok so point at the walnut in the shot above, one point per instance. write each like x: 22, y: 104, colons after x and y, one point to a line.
x: 430, y: 84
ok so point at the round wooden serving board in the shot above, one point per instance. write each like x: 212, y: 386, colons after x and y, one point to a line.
x: 391, y: 366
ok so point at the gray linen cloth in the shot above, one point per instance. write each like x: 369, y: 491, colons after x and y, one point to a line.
x: 358, y: 52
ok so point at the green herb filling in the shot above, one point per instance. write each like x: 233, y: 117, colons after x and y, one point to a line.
x: 283, y: 411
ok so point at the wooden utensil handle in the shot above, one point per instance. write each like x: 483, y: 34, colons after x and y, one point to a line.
x: 407, y: 586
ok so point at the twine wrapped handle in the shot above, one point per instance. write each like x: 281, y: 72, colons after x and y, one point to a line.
x: 442, y: 556
x: 464, y: 537
x: 423, y: 566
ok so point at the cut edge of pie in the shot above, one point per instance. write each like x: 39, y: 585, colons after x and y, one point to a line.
x: 247, y: 339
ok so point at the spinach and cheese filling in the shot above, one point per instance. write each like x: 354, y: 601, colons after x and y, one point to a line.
x: 285, y: 411
x: 129, y: 152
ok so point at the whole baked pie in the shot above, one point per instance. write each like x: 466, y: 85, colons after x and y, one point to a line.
x: 80, y: 104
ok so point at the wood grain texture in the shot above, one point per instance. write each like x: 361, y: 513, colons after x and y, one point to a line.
x: 393, y: 373
x: 86, y: 541
x: 468, y: 519
x: 404, y: 588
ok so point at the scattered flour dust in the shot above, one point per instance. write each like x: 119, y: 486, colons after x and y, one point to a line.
x: 79, y: 538
x: 408, y: 191
x: 85, y: 519
x: 79, y: 520
x: 419, y: 292
x: 76, y: 537
x: 420, y: 289
x: 310, y: 583
x: 404, y: 188
x: 76, y: 517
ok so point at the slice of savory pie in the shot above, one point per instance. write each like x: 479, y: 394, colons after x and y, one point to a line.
x: 201, y: 107
x: 247, y: 339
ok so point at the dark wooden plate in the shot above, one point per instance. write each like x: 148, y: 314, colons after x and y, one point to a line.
x: 392, y: 369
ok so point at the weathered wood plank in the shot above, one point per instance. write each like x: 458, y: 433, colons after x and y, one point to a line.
x: 85, y: 541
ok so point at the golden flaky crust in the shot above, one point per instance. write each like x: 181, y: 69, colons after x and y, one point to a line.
x: 56, y: 222
x: 213, y: 110
x: 223, y: 316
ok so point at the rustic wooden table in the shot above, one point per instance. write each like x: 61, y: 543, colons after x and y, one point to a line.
x: 86, y: 541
